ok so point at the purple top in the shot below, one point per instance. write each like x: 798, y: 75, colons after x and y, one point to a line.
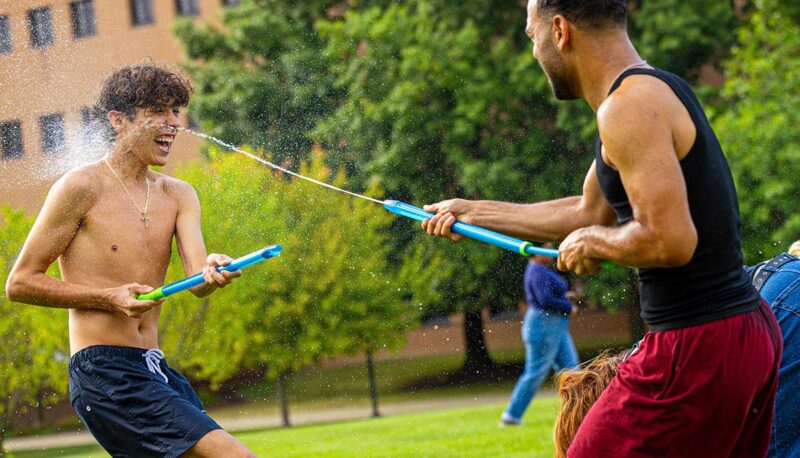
x: 545, y: 289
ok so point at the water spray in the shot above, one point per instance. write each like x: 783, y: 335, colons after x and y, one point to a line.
x: 197, y: 279
x: 403, y: 209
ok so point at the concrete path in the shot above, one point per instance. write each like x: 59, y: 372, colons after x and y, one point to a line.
x: 234, y: 424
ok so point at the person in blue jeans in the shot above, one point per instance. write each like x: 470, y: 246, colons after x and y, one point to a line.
x: 778, y: 282
x: 545, y: 332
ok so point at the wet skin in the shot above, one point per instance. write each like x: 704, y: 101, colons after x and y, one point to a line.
x: 106, y: 254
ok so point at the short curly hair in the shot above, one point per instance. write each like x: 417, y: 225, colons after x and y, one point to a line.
x: 142, y: 86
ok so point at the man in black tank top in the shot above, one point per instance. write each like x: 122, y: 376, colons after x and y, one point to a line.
x: 659, y: 197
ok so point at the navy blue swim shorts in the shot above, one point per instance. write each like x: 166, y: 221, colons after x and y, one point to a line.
x: 134, y: 404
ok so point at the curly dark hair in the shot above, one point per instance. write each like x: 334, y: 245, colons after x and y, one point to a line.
x: 592, y: 13
x: 142, y: 86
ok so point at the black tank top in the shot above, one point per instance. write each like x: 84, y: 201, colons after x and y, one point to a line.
x: 713, y: 284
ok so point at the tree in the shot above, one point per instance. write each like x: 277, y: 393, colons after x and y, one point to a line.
x: 431, y: 99
x: 264, y: 82
x: 439, y: 105
x: 757, y: 126
x: 330, y: 292
x: 35, y: 351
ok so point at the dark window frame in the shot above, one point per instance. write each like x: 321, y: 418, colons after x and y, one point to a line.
x: 40, y: 26
x: 10, y: 137
x: 142, y: 13
x: 53, y: 132
x: 5, y: 34
x: 187, y: 7
x: 84, y: 20
x: 231, y: 3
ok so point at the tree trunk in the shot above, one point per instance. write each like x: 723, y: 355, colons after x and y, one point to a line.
x: 635, y: 322
x: 373, y: 387
x: 2, y: 443
x: 284, y: 402
x: 477, y: 361
x: 4, y: 427
x: 38, y: 419
x: 5, y: 419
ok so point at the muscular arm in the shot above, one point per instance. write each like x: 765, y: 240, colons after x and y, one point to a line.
x: 192, y: 247
x: 549, y: 221
x: 638, y: 132
x: 67, y: 203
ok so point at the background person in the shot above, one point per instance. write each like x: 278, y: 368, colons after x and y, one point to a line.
x: 545, y: 333
x: 778, y: 282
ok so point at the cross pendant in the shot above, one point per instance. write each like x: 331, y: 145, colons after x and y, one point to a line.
x: 145, y: 219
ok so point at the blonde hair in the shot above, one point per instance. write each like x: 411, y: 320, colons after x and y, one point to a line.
x: 579, y: 389
x: 794, y: 250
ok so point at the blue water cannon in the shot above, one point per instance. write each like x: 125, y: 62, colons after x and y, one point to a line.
x: 476, y: 232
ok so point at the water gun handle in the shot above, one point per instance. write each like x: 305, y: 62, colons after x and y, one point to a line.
x: 197, y: 279
x: 472, y: 231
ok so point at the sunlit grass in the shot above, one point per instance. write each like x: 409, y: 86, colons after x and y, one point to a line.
x: 463, y: 432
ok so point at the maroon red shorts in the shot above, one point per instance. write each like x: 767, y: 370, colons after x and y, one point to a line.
x: 701, y: 391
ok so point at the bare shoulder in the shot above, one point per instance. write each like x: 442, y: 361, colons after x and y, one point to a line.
x: 640, y: 99
x: 175, y: 188
x: 78, y: 186
x: 639, y: 115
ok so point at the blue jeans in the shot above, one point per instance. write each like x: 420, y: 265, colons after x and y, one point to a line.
x: 782, y: 291
x: 548, y: 345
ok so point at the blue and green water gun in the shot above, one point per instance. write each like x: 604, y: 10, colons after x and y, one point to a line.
x: 197, y: 279
x: 476, y: 232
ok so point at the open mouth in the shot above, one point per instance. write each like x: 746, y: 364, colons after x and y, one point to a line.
x: 164, y: 142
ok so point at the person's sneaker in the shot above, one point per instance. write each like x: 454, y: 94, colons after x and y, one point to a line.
x: 508, y: 420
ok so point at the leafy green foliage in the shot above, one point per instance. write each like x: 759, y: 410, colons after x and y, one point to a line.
x: 680, y: 36
x: 330, y: 292
x: 264, y: 82
x: 757, y: 127
x: 35, y: 350
x: 431, y: 99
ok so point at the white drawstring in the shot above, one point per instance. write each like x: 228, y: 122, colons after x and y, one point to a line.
x: 153, y: 359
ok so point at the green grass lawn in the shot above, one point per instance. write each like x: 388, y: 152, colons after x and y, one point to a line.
x: 317, y: 388
x: 466, y: 432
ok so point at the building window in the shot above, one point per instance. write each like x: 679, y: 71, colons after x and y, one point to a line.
x: 87, y: 118
x: 142, y: 12
x: 231, y: 3
x: 188, y: 7
x: 41, y: 25
x: 5, y: 35
x: 52, y: 128
x: 83, y: 20
x: 11, y: 139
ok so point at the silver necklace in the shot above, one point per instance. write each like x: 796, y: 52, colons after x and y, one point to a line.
x: 634, y: 65
x: 145, y: 218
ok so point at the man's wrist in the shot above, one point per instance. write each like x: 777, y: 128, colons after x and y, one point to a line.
x: 103, y: 300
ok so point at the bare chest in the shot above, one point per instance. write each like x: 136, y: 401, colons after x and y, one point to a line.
x: 116, y: 242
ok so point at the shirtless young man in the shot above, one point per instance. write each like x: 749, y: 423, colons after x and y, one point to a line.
x: 110, y: 225
x: 703, y: 381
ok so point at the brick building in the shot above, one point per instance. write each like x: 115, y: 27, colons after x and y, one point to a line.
x: 53, y: 57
